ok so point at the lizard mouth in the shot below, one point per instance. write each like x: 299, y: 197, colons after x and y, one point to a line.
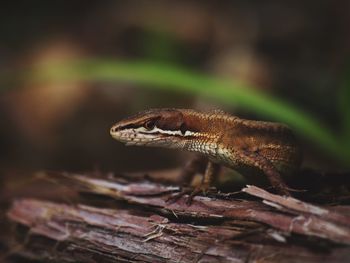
x: 131, y: 137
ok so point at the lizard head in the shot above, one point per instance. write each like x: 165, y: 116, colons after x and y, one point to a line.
x: 156, y: 127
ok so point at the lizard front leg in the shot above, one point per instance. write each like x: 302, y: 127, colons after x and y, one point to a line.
x: 210, y: 173
x: 193, y: 166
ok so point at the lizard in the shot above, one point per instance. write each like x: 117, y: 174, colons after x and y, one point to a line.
x: 247, y: 146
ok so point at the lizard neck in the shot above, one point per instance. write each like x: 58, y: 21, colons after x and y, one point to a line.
x: 209, y: 132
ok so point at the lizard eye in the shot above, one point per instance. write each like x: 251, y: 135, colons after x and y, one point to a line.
x: 149, y: 125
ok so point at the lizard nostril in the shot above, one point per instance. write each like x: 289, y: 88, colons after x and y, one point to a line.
x: 113, y: 129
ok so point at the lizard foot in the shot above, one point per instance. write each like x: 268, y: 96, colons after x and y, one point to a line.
x: 191, y: 192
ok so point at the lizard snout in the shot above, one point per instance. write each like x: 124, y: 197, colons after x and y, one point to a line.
x: 113, y: 130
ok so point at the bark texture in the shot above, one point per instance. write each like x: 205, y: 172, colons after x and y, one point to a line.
x: 132, y: 222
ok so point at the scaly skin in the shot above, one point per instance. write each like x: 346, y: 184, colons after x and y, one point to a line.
x: 247, y: 146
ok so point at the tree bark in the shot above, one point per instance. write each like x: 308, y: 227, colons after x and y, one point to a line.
x: 140, y: 226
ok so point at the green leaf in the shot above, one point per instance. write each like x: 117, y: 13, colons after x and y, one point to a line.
x: 166, y: 77
x: 344, y: 107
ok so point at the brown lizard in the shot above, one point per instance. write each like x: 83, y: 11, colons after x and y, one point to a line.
x: 246, y: 146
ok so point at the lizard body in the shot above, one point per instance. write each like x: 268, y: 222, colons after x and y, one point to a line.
x: 243, y: 145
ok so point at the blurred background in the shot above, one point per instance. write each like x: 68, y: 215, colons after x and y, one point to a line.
x: 284, y: 61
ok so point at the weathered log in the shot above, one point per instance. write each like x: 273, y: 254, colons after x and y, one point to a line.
x: 144, y: 227
x: 295, y: 217
x: 83, y: 233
